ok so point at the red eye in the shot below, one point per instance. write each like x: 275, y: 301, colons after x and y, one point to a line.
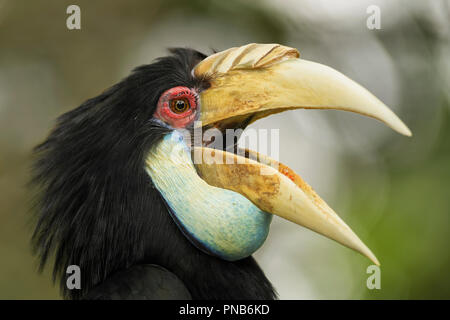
x: 177, y: 106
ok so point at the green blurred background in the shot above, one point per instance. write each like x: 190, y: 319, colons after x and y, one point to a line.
x: 392, y: 190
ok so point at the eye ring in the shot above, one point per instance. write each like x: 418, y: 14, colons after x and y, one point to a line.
x: 177, y: 106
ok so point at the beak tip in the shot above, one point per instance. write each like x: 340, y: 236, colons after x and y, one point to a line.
x: 398, y: 125
x: 406, y: 131
x: 376, y: 262
x: 369, y: 254
x: 401, y: 127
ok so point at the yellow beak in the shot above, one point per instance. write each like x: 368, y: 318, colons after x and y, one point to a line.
x: 253, y: 81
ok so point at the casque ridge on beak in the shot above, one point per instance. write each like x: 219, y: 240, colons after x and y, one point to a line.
x: 257, y: 80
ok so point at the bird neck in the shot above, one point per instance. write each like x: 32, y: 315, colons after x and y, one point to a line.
x: 219, y: 221
x: 206, y: 274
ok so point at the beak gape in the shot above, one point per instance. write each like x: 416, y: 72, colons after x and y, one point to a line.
x: 255, y: 81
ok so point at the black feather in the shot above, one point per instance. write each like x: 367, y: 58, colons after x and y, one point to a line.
x: 96, y: 207
x: 141, y: 282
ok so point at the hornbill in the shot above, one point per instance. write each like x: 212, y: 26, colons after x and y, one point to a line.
x: 121, y: 196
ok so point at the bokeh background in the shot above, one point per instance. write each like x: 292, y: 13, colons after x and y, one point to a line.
x: 392, y: 190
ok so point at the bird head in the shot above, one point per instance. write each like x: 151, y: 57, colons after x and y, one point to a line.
x: 124, y: 179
